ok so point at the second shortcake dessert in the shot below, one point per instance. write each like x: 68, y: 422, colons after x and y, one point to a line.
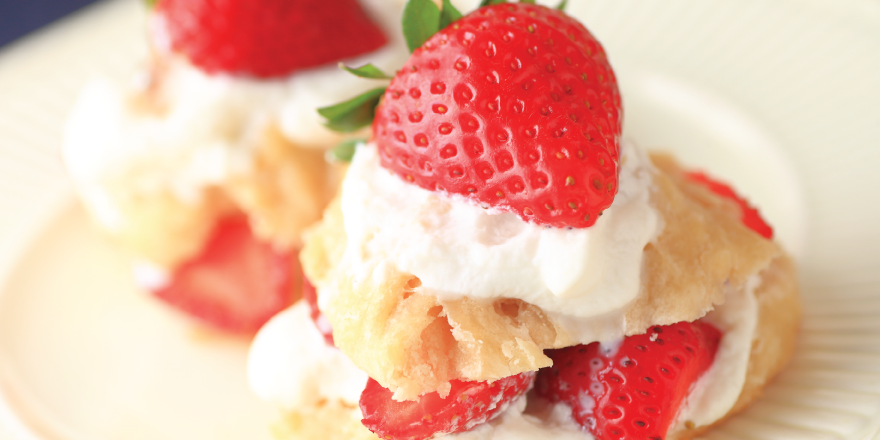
x: 208, y: 167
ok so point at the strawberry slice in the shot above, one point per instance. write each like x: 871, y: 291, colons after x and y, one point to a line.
x: 468, y: 405
x: 236, y: 283
x: 310, y: 295
x: 750, y: 216
x: 634, y: 391
x: 266, y: 38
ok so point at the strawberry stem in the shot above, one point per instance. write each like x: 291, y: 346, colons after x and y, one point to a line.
x: 448, y: 14
x: 344, y: 152
x: 421, y: 20
x: 353, y: 114
x: 366, y: 71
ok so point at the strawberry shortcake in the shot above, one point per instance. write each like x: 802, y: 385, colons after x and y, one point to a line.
x: 209, y: 165
x: 498, y: 264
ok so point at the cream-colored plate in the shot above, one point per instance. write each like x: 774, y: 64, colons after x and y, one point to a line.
x: 780, y: 98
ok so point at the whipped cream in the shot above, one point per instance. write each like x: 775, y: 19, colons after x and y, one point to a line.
x: 515, y: 424
x: 292, y: 366
x: 715, y: 393
x: 457, y: 248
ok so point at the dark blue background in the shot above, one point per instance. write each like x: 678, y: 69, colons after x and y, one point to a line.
x: 18, y: 17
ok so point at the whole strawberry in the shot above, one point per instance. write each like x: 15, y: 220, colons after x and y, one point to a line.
x: 513, y: 106
x: 468, y: 404
x: 266, y: 38
x: 633, y: 392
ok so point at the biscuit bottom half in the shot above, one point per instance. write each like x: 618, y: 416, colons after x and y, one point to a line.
x: 777, y: 309
x: 282, y: 192
x: 413, y: 343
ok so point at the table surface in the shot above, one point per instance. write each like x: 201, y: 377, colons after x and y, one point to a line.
x: 19, y: 18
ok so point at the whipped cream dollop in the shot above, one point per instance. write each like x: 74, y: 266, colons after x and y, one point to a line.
x: 291, y: 365
x: 456, y: 248
x: 718, y: 389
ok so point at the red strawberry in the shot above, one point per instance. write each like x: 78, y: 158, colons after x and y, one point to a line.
x: 635, y: 391
x: 266, y: 38
x: 237, y: 282
x: 310, y: 295
x: 513, y: 106
x: 750, y: 216
x: 468, y: 405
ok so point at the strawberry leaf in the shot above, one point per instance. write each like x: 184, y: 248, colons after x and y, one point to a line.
x: 491, y: 2
x: 562, y: 5
x: 151, y: 3
x: 353, y: 114
x: 531, y: 2
x: 448, y: 14
x: 345, y: 150
x: 421, y: 20
x: 366, y: 71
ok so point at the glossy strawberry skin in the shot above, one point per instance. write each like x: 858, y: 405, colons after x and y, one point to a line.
x: 266, y: 38
x: 236, y: 283
x: 468, y: 405
x: 750, y: 216
x: 514, y: 107
x: 635, y: 391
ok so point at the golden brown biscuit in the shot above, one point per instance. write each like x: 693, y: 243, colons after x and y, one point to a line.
x: 286, y: 189
x: 282, y: 193
x: 779, y: 315
x: 778, y: 311
x: 414, y: 343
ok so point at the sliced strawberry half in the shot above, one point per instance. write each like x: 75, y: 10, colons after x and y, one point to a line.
x: 236, y: 283
x: 468, y: 405
x: 635, y: 391
x: 750, y: 216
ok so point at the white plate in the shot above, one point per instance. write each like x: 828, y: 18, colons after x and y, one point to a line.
x: 780, y: 98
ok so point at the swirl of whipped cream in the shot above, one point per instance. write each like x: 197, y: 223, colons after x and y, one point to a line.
x: 457, y: 248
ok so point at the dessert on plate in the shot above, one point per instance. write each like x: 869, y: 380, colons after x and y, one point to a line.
x: 499, y: 264
x: 210, y: 163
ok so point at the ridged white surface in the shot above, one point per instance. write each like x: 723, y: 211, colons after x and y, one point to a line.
x: 779, y: 97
